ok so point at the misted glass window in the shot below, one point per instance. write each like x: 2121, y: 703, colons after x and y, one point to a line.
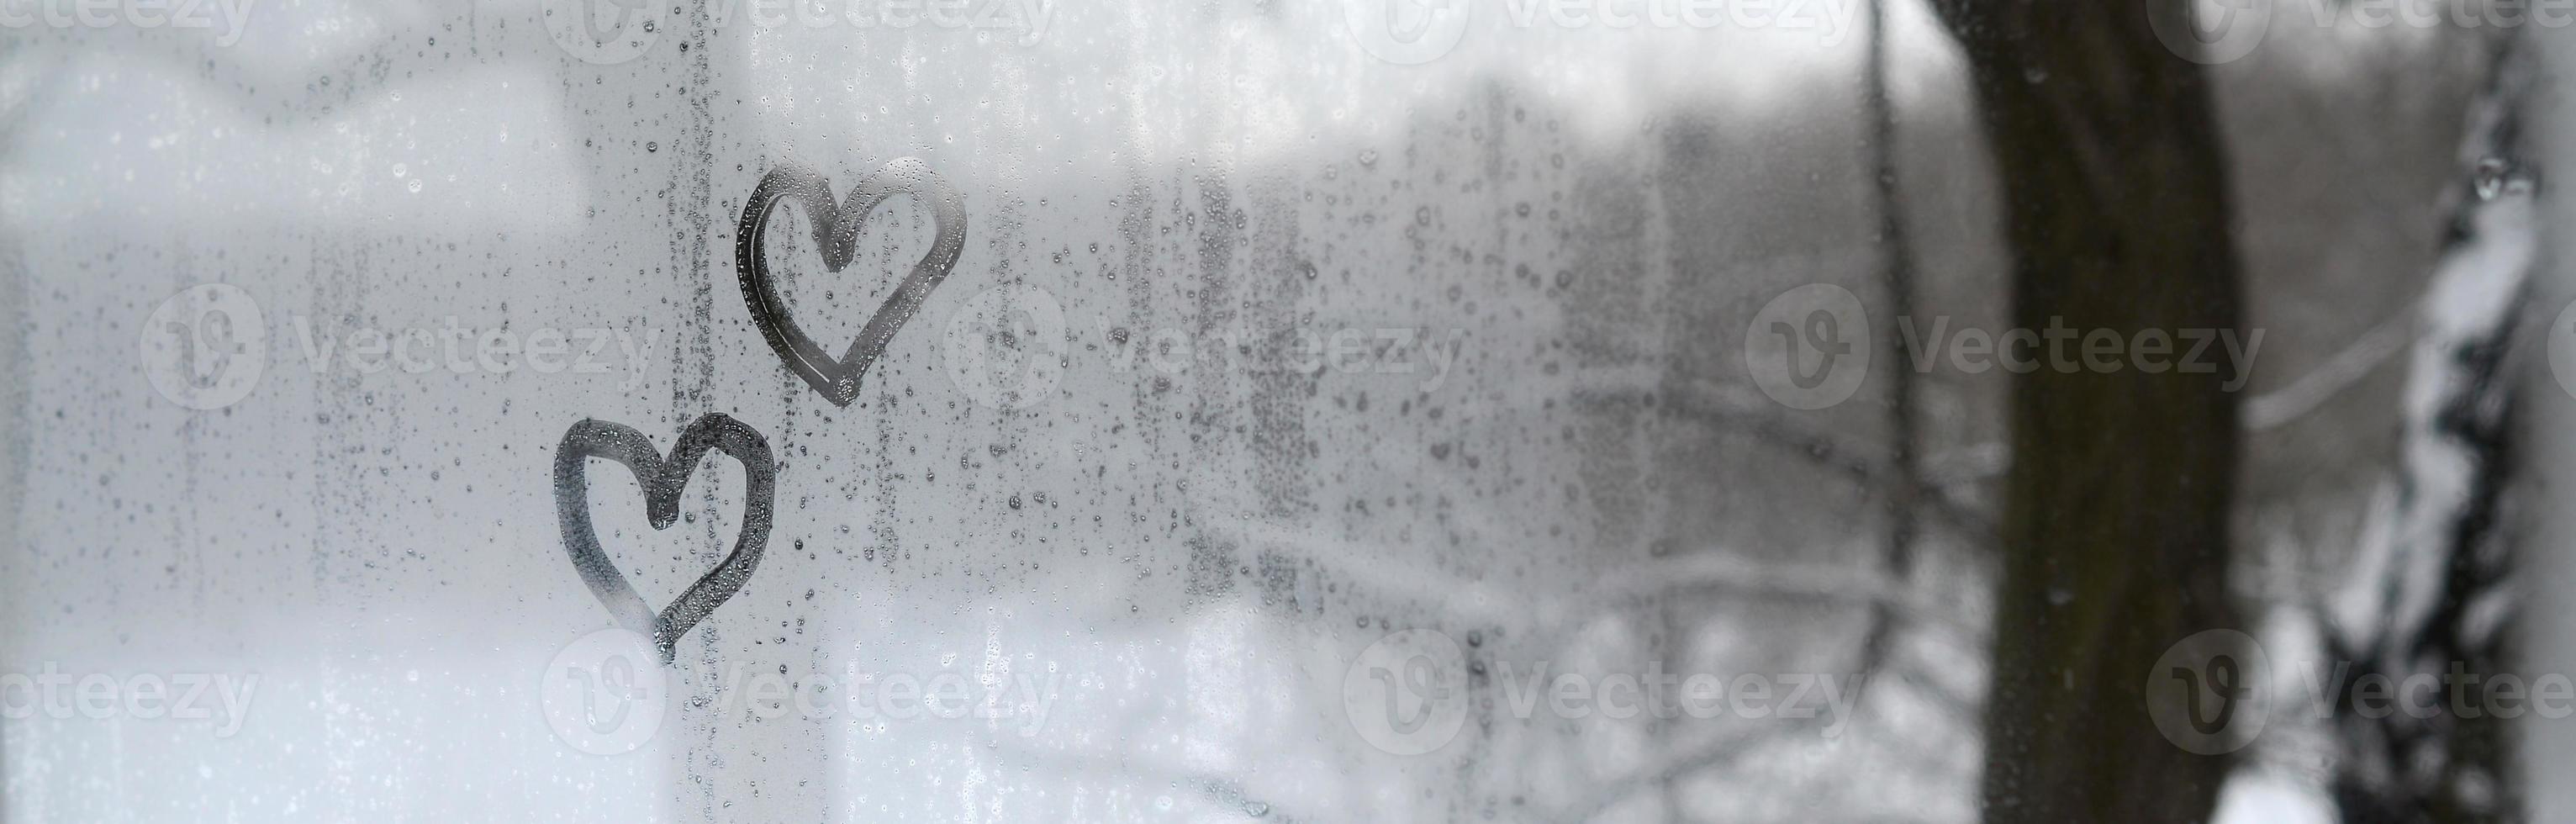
x: 1327, y: 411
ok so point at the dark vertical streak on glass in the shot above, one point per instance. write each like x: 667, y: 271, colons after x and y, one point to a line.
x: 1278, y: 439
x: 1896, y: 272
x: 1213, y: 557
x: 689, y: 216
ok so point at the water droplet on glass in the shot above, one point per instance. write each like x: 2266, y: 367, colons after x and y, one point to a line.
x: 2491, y: 176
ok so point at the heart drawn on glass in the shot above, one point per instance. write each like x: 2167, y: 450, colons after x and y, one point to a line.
x: 836, y: 231
x: 662, y: 481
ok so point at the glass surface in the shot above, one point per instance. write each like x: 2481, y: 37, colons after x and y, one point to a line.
x: 1041, y: 410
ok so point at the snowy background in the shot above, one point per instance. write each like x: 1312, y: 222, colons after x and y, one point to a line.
x: 1553, y: 242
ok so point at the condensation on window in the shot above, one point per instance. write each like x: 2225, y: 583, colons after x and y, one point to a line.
x: 1012, y: 410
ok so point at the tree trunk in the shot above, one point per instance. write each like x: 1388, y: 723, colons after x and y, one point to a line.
x: 2116, y: 208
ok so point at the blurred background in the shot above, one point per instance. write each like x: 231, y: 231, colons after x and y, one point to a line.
x: 1579, y: 410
